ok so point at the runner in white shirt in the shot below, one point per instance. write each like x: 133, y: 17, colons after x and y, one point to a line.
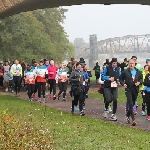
x: 6, y: 77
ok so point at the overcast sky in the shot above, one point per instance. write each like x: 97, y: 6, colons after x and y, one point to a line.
x: 106, y: 21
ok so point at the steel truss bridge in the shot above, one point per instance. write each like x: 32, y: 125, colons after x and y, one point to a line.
x: 125, y: 44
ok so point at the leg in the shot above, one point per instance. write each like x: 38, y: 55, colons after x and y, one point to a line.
x: 147, y: 96
x: 130, y: 103
x: 18, y: 83
x: 54, y: 87
x: 29, y: 90
x: 108, y: 97
x: 51, y: 85
x: 115, y: 97
x: 39, y: 89
x: 64, y: 89
x: 81, y: 101
x: 43, y: 88
x: 15, y: 83
x: 60, y: 84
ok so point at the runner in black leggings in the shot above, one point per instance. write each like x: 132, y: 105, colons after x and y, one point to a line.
x: 16, y: 72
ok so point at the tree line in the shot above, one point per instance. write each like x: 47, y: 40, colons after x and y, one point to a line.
x: 35, y: 34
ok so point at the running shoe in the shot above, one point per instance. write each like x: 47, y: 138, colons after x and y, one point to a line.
x: 44, y: 101
x: 105, y: 114
x: 84, y: 108
x: 54, y: 97
x: 31, y: 99
x: 12, y: 91
x: 6, y: 90
x: 39, y: 100
x: 127, y: 120
x: 82, y: 113
x: 63, y: 99
x: 113, y: 117
x: 76, y: 108
x: 133, y: 123
x: 143, y: 113
x: 135, y: 112
x: 33, y: 95
x: 51, y: 97
x: 72, y: 112
x: 109, y: 109
x: 148, y: 117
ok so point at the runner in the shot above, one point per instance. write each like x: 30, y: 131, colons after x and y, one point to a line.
x: 142, y: 91
x: 131, y: 78
x: 110, y: 77
x: 16, y: 71
x: 52, y: 70
x: 62, y: 81
x: 1, y: 74
x: 6, y: 77
x: 42, y: 75
x: 76, y: 79
x: 97, y: 72
x: 11, y: 81
x: 147, y: 92
x: 85, y: 84
x: 30, y: 76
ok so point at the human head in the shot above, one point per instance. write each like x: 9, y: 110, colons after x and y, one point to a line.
x: 52, y: 62
x: 16, y: 62
x: 41, y: 62
x: 47, y: 62
x: 134, y: 58
x: 131, y: 64
x: 96, y: 63
x: 78, y: 66
x: 6, y: 63
x: 148, y: 63
x: 29, y: 67
x: 125, y: 60
x: 146, y: 68
x: 85, y: 68
x: 63, y: 66
x: 107, y: 60
x: 114, y: 62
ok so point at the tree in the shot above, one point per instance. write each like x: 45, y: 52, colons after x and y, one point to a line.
x: 38, y: 34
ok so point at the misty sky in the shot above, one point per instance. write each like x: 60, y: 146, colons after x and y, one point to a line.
x: 106, y: 21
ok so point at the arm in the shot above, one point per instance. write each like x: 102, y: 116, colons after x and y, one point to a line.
x: 140, y: 78
x: 121, y: 78
x: 94, y: 68
x: 103, y: 76
x: 147, y: 80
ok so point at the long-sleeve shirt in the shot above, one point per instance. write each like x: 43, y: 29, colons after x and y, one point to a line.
x: 52, y: 70
x: 62, y: 75
x: 30, y: 76
x: 41, y: 72
x: 16, y: 70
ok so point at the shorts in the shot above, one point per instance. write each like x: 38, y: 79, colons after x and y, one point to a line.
x: 97, y: 76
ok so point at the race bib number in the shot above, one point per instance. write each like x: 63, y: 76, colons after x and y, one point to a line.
x: 114, y: 84
x: 143, y: 93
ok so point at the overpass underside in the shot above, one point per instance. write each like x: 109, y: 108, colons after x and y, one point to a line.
x: 11, y: 7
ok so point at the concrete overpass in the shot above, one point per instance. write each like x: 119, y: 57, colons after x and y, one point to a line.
x: 11, y: 7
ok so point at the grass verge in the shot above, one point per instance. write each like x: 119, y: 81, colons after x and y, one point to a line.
x: 66, y: 131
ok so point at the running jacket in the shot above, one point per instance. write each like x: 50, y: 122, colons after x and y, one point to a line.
x: 147, y: 83
x: 62, y: 75
x: 52, y: 70
x: 41, y: 72
x: 126, y: 78
x: 16, y: 70
x: 30, y: 76
x: 144, y: 75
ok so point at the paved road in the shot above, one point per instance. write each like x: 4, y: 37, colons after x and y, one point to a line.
x: 94, y: 109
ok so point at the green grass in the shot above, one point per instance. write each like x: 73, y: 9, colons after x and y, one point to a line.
x: 72, y: 132
x: 121, y: 97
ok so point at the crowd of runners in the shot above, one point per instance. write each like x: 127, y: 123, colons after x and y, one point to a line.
x: 42, y: 77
